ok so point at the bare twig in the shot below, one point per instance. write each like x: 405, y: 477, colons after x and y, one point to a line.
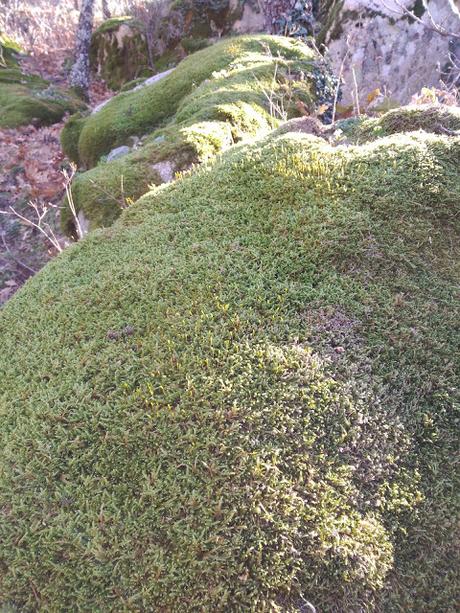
x: 431, y: 24
x: 339, y: 82
x: 42, y: 226
x: 123, y: 204
x: 355, y: 92
x: 68, y: 178
x: 13, y: 257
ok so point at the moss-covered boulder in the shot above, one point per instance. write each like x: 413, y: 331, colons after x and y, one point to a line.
x: 31, y: 100
x: 26, y: 99
x: 9, y: 51
x: 119, y: 51
x: 238, y: 88
x: 437, y: 119
x: 242, y: 395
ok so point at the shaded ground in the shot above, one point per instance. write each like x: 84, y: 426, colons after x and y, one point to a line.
x: 31, y: 163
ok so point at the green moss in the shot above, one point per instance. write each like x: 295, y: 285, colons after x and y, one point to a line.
x: 241, y: 396
x: 24, y: 103
x: 9, y: 51
x: 142, y: 111
x: 14, y: 75
x: 227, y: 106
x: 71, y: 135
x: 26, y: 99
x: 132, y: 84
x: 190, y: 45
x: 102, y: 193
x: 168, y: 59
x: 437, y: 119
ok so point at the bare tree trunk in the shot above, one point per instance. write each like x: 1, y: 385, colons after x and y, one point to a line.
x: 79, y: 75
x: 105, y: 10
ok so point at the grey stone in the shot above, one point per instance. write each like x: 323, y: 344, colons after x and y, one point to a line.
x: 118, y: 152
x: 154, y: 79
x: 165, y: 169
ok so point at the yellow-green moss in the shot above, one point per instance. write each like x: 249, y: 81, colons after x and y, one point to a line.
x: 242, y: 395
x: 102, y: 192
x: 237, y: 89
x: 140, y: 112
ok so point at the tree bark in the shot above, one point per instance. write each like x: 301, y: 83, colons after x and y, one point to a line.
x: 79, y: 75
x: 105, y: 10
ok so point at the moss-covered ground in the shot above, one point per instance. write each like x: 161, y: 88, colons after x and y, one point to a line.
x: 29, y: 99
x: 243, y: 396
x: 233, y: 90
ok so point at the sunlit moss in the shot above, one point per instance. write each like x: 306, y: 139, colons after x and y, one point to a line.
x: 234, y: 90
x: 241, y: 396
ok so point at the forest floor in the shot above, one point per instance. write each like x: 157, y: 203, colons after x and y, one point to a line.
x: 32, y: 181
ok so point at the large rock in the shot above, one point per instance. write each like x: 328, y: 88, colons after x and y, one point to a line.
x: 119, y: 51
x: 387, y: 49
x: 236, y: 89
x: 241, y: 396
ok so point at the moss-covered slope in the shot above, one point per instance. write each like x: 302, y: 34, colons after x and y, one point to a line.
x: 238, y: 88
x: 26, y: 99
x: 241, y: 396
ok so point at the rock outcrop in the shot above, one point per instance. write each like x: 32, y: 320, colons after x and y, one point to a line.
x: 126, y: 48
x: 372, y: 43
x: 119, y: 51
x: 386, y: 48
